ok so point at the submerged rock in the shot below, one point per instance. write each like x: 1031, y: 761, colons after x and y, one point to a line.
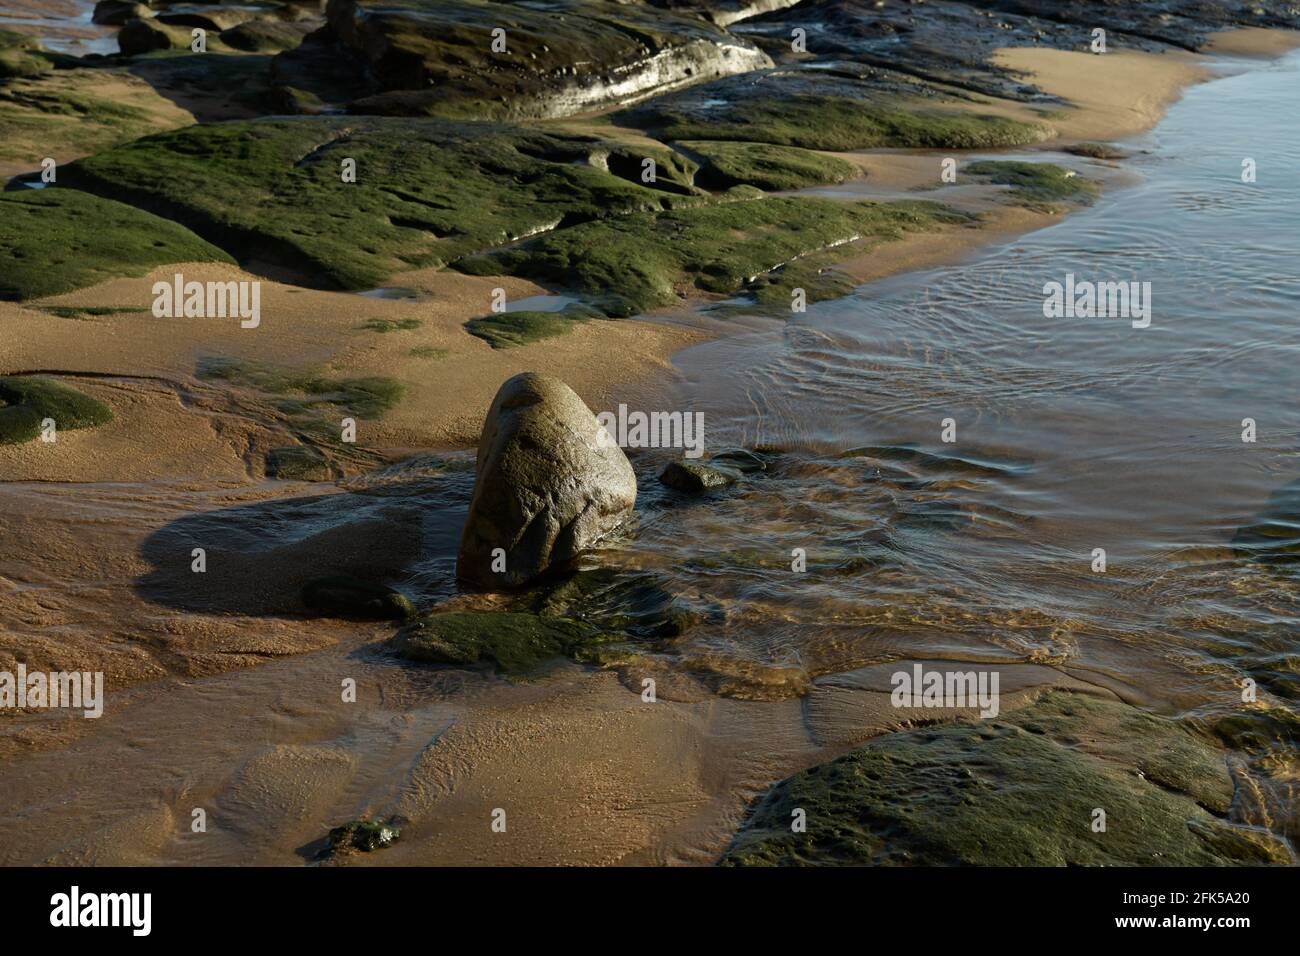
x: 1018, y: 791
x: 349, y: 597
x: 298, y: 463
x: 510, y: 642
x: 549, y: 485
x: 693, y: 477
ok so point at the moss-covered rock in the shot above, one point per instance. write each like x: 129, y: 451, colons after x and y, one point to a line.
x: 814, y: 110
x: 21, y: 55
x: 1014, y: 791
x: 616, y: 600
x: 653, y: 258
x: 56, y: 240
x: 267, y: 36
x: 149, y: 36
x: 511, y: 642
x: 1036, y: 185
x: 298, y: 463
x: 696, y: 477
x: 766, y: 166
x: 26, y: 402
x: 354, y: 598
x: 503, y: 330
x: 427, y: 191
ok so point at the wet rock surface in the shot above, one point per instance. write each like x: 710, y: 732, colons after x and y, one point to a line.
x: 548, y: 487
x: 1019, y: 790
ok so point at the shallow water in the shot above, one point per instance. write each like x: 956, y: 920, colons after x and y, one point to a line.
x: 1072, y: 434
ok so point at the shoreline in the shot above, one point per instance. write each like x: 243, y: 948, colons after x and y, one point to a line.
x: 544, y: 747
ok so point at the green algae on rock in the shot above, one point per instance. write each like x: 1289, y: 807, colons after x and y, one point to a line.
x: 503, y: 330
x: 694, y: 477
x: 298, y: 463
x: 55, y: 240
x: 345, y: 596
x: 27, y: 402
x: 1014, y: 791
x: 653, y: 258
x: 21, y: 55
x: 766, y: 166
x: 511, y: 642
x: 1036, y: 185
x: 830, y: 122
x: 426, y: 191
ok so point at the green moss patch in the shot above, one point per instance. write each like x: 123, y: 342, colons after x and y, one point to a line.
x: 1036, y: 185
x: 55, y: 240
x: 428, y: 352
x: 653, y: 258
x: 503, y: 330
x: 767, y: 166
x: 26, y: 402
x: 21, y: 55
x: 392, y: 325
x: 815, y: 121
x: 301, y: 390
x: 514, y: 643
x: 427, y: 191
x: 1014, y: 791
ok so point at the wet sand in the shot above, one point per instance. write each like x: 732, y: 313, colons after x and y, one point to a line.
x: 586, y: 771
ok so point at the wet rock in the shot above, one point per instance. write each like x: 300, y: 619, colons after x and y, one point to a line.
x: 354, y: 598
x: 146, y: 36
x: 117, y: 12
x: 267, y: 36
x: 1015, y: 791
x: 434, y: 57
x: 298, y: 463
x: 511, y: 642
x: 362, y: 836
x: 213, y: 19
x: 694, y: 478
x: 549, y: 485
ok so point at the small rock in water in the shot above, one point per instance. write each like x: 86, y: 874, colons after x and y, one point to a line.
x: 549, y: 485
x: 348, y: 597
x: 695, y: 478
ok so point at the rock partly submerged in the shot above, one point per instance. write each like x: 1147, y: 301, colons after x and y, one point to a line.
x: 549, y: 485
x: 1022, y: 790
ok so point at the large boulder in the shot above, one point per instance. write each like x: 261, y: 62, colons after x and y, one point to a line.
x: 549, y: 485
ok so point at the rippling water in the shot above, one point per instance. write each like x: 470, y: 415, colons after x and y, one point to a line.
x: 1071, y: 435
